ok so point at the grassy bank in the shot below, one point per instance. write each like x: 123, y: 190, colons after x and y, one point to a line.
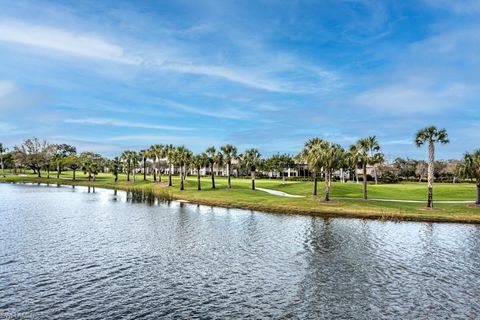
x: 242, y: 197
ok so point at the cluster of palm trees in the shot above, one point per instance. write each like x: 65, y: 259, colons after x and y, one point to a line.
x: 181, y: 158
x: 326, y: 157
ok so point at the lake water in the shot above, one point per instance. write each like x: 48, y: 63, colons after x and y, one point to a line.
x: 67, y: 253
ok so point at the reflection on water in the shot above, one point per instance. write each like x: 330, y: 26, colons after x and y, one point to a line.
x: 77, y: 252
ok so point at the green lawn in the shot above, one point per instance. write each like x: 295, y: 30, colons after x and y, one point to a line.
x: 242, y: 197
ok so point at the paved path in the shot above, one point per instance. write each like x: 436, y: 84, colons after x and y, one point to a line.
x: 284, y: 194
x: 280, y: 193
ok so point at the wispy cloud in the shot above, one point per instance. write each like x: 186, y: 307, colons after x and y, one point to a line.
x: 225, y: 113
x: 93, y: 46
x: 89, y: 46
x: 13, y: 98
x: 413, y: 97
x: 460, y: 6
x: 124, y: 124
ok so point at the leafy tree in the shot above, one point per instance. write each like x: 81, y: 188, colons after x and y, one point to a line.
x: 229, y: 153
x: 251, y: 159
x: 420, y: 169
x: 430, y: 136
x: 73, y: 163
x: 34, y: 154
x: 60, y: 153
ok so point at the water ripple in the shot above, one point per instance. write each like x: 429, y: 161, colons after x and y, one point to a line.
x: 72, y: 254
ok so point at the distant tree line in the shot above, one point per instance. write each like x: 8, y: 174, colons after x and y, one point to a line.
x: 321, y: 158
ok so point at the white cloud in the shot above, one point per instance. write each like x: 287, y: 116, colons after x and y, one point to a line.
x: 458, y: 6
x: 13, y: 98
x: 6, y: 88
x: 413, y: 97
x: 123, y: 123
x: 89, y: 46
x: 8, y: 129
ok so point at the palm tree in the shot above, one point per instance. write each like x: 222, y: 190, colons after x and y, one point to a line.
x: 312, y: 158
x: 251, y: 159
x: 2, y: 151
x: 181, y: 157
x: 470, y: 169
x: 144, y: 154
x: 431, y: 135
x: 170, y: 153
x: 90, y: 164
x: 129, y: 157
x: 280, y: 163
x: 157, y: 152
x: 351, y: 161
x: 199, y: 161
x: 368, y: 152
x: 331, y: 157
x: 115, y: 166
x: 229, y: 153
x: 377, y: 158
x: 214, y: 157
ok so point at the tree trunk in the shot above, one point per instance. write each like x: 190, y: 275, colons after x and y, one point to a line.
x: 116, y: 176
x: 198, y: 179
x: 3, y: 167
x: 327, y: 185
x: 159, y: 172
x: 365, y: 182
x: 228, y: 172
x: 478, y: 193
x: 39, y: 172
x: 181, y: 178
x: 213, y: 175
x: 375, y: 173
x: 73, y: 175
x: 58, y: 170
x: 144, y: 169
x: 128, y: 174
x: 283, y: 176
x: 431, y: 161
x: 169, y: 174
x: 252, y: 172
x: 315, y: 180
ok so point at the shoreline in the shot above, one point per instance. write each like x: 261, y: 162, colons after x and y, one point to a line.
x: 161, y: 192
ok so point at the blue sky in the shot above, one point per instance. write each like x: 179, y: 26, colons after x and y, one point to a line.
x: 111, y: 75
